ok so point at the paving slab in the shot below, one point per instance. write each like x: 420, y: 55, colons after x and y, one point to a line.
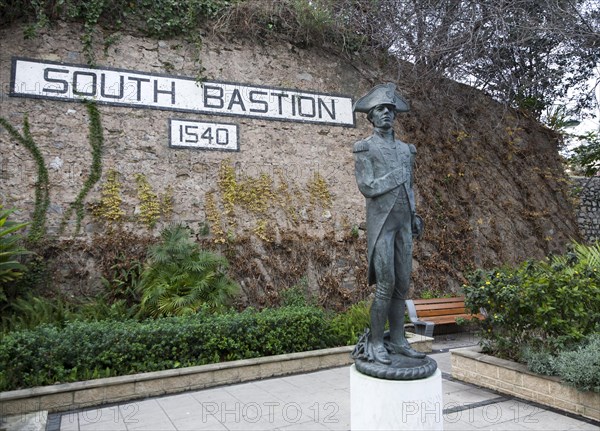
x: 313, y: 401
x: 26, y: 422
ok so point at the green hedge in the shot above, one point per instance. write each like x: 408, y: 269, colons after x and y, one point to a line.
x: 84, y: 350
x: 545, y: 314
x: 545, y: 305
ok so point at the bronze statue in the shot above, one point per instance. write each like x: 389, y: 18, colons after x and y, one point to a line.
x: 384, y: 175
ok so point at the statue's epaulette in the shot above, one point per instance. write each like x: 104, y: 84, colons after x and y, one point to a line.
x: 361, y: 146
x: 412, y: 148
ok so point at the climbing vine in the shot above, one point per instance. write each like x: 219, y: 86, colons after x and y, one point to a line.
x: 286, y: 199
x: 256, y: 194
x: 91, y: 11
x: 96, y: 140
x: 152, y: 206
x: 261, y: 230
x: 42, y: 197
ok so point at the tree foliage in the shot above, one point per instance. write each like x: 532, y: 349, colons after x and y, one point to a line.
x: 586, y: 157
x: 528, y: 53
x: 525, y: 52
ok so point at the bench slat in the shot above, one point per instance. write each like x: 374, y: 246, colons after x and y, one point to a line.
x: 437, y: 300
x: 452, y: 319
x: 427, y: 313
x: 444, y: 312
x: 447, y: 305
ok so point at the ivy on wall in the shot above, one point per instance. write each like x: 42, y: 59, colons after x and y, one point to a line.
x: 96, y: 140
x: 213, y: 217
x: 42, y: 197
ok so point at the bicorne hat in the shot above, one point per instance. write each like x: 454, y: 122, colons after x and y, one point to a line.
x: 382, y: 94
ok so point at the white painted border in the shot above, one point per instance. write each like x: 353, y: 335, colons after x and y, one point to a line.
x: 71, y: 82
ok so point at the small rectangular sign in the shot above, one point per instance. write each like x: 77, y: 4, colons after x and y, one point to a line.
x: 203, y: 135
x: 69, y: 82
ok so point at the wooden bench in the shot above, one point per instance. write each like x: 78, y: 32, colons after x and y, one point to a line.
x: 426, y: 313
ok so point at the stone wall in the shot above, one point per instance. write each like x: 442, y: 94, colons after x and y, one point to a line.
x: 489, y: 182
x: 136, y: 140
x: 588, y: 212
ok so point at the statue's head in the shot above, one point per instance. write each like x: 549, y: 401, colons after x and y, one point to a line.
x: 381, y: 105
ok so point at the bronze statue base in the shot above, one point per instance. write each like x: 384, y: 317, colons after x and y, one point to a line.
x: 401, y: 368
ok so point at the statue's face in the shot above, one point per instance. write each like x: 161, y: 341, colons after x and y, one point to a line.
x: 382, y: 116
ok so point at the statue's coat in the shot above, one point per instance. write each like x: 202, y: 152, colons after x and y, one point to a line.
x: 375, y: 177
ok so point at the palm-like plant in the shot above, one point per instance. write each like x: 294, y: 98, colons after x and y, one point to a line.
x: 180, y: 277
x: 581, y: 258
x: 588, y: 254
x: 10, y: 267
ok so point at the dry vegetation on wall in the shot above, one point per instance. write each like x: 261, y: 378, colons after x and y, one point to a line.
x: 491, y: 185
x: 329, y: 272
x: 489, y: 182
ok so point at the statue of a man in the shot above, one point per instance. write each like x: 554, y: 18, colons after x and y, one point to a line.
x: 384, y: 174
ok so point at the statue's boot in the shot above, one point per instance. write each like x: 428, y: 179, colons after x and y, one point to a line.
x: 403, y: 348
x: 398, y: 343
x: 379, y: 311
x: 380, y: 354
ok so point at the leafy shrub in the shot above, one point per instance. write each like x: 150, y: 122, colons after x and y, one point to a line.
x: 28, y: 312
x: 298, y: 295
x: 539, y: 361
x: 579, y: 367
x: 349, y: 325
x: 164, y: 18
x: 37, y: 278
x: 82, y: 350
x: 120, y: 255
x: 11, y: 268
x: 10, y: 249
x: 161, y: 18
x: 547, y: 305
x: 123, y: 285
x: 180, y: 277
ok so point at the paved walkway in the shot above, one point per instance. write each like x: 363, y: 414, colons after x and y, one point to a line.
x: 313, y: 401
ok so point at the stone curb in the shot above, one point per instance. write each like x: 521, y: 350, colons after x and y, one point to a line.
x: 71, y: 396
x: 508, y: 377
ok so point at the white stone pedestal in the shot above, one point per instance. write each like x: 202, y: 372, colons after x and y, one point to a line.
x: 377, y: 404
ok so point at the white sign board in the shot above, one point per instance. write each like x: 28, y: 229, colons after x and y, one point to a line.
x: 59, y: 81
x: 203, y: 135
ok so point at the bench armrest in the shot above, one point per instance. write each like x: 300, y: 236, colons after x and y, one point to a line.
x: 421, y: 327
